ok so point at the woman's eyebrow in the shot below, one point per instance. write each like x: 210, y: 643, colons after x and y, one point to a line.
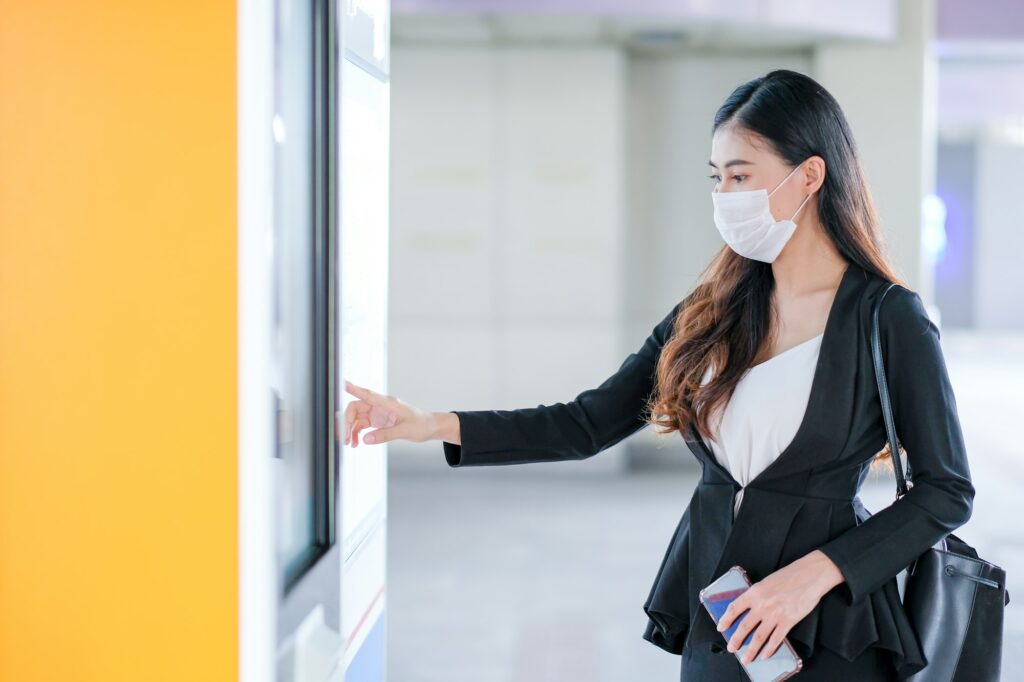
x: 734, y: 162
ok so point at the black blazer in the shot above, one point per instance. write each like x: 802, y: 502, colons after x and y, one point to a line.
x: 805, y: 499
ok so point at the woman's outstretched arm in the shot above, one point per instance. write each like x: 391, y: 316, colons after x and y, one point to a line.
x: 592, y: 421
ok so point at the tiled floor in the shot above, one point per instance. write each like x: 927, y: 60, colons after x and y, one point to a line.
x: 502, y: 574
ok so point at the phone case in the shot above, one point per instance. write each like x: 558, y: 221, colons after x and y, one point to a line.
x: 716, y: 597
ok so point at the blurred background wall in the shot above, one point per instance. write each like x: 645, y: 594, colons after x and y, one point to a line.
x: 980, y: 147
x: 550, y: 204
x: 550, y: 198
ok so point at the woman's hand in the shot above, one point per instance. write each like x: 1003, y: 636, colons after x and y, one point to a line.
x: 391, y: 418
x: 779, y: 602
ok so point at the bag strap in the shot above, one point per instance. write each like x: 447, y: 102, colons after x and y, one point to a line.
x: 883, y: 392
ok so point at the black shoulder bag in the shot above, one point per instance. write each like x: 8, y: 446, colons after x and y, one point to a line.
x: 953, y: 598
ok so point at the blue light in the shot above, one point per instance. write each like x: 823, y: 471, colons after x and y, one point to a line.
x: 933, y: 227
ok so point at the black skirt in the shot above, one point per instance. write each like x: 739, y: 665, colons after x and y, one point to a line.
x: 715, y: 663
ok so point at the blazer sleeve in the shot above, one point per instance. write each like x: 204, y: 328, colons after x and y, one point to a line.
x: 928, y: 428
x: 594, y: 420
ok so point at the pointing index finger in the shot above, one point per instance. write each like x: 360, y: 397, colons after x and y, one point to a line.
x: 363, y: 393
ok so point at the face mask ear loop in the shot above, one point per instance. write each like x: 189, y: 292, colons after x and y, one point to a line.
x: 793, y: 219
x: 786, y: 178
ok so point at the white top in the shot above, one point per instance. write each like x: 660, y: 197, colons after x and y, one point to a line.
x: 764, y: 412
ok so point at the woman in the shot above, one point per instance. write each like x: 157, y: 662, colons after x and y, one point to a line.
x: 765, y: 370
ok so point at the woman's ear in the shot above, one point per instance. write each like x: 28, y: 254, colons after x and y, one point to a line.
x: 814, y: 174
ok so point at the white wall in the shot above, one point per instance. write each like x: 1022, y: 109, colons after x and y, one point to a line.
x: 999, y: 236
x: 888, y: 92
x: 550, y: 204
x: 507, y: 227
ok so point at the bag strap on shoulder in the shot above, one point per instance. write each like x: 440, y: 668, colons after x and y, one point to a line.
x: 883, y: 392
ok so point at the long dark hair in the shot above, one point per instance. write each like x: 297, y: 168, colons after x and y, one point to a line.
x: 726, y: 320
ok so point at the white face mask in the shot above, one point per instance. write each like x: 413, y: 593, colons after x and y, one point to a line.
x: 747, y: 225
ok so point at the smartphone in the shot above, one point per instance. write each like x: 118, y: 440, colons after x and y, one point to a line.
x: 716, y: 597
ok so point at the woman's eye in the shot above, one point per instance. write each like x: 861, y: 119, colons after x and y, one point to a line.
x: 739, y: 178
x: 715, y: 177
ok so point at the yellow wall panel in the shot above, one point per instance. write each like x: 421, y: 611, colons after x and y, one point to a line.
x: 118, y: 477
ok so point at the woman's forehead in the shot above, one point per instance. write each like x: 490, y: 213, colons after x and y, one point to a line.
x: 730, y: 143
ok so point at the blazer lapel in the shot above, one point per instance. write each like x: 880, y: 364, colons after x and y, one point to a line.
x: 823, y: 430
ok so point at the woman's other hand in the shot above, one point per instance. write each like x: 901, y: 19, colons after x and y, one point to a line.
x: 779, y: 602
x: 390, y: 417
